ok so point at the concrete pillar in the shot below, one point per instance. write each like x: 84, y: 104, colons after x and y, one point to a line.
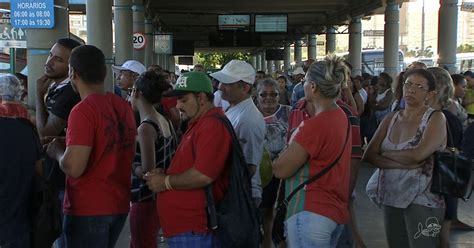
x: 447, y: 34
x: 149, y: 43
x: 254, y: 61
x: 258, y: 61
x: 263, y: 62
x: 287, y: 61
x: 278, y: 65
x: 298, y: 53
x: 123, y: 31
x: 269, y: 66
x: 40, y: 41
x: 355, y: 46
x: 330, y: 39
x: 312, y: 48
x: 391, y: 35
x: 138, y: 26
x: 99, y: 33
x: 171, y: 63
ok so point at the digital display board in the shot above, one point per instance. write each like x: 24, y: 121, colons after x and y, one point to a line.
x: 271, y: 23
x: 233, y: 22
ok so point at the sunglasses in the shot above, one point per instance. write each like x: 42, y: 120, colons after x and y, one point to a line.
x: 273, y: 95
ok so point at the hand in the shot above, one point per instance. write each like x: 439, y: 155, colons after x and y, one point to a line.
x: 56, y: 148
x: 42, y: 85
x: 155, y: 180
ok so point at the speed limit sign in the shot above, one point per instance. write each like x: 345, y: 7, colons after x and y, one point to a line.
x: 139, y: 40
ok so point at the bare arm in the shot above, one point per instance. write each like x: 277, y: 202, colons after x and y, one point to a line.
x: 146, y: 138
x: 190, y: 179
x: 289, y: 161
x: 72, y: 160
x: 47, y: 124
x: 373, y: 152
x: 359, y: 103
x: 350, y: 99
x: 429, y: 143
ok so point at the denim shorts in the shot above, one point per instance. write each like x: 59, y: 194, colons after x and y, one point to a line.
x: 308, y: 229
x: 194, y: 240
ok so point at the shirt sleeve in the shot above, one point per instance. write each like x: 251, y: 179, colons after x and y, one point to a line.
x: 251, y: 137
x: 80, y: 130
x: 307, y: 138
x: 213, y: 146
x: 64, y: 102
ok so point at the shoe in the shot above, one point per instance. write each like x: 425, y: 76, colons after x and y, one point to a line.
x: 461, y: 226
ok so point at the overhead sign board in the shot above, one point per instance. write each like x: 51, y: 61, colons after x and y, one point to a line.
x: 163, y: 44
x: 32, y: 13
x: 139, y: 40
x: 373, y: 33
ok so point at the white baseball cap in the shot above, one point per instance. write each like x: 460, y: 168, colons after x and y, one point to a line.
x: 130, y: 65
x: 298, y: 70
x: 234, y: 71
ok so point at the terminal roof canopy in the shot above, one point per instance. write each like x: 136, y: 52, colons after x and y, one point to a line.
x: 198, y: 20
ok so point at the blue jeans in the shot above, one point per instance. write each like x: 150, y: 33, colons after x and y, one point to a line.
x: 93, y: 231
x: 307, y: 229
x: 22, y: 241
x: 193, y: 240
x: 61, y: 241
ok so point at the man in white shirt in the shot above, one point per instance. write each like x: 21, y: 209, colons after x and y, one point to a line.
x: 235, y: 84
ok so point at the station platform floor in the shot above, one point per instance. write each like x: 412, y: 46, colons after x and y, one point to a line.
x: 370, y: 221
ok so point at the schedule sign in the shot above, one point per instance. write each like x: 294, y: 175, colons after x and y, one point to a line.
x: 32, y: 13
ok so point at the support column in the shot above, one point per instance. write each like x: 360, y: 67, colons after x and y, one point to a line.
x: 171, y: 63
x: 287, y: 62
x: 447, y: 34
x: 138, y: 26
x: 355, y: 46
x: 312, y: 47
x: 40, y: 41
x: 278, y: 66
x: 254, y: 61
x: 330, y: 39
x: 99, y: 33
x: 269, y: 66
x: 263, y: 62
x: 391, y: 35
x: 258, y: 61
x: 149, y: 43
x: 123, y: 31
x: 298, y: 54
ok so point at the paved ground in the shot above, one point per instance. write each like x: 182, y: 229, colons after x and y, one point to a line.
x: 370, y: 220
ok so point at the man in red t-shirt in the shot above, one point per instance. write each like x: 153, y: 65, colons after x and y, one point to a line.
x: 202, y: 158
x: 96, y: 156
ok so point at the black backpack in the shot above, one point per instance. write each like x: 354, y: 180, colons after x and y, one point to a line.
x: 234, y: 219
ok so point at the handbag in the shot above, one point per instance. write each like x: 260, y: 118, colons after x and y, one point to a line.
x: 278, y: 222
x: 452, y: 172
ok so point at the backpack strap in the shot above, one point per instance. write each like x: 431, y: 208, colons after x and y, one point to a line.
x: 153, y: 124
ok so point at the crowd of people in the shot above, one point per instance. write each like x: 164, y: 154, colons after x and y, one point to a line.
x: 147, y: 150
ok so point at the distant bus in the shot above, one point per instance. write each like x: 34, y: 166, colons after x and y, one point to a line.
x: 372, y: 61
x: 465, y: 62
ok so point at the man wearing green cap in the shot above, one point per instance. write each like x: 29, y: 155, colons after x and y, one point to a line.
x: 201, y: 159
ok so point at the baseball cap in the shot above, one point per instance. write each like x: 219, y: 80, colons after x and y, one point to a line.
x: 235, y: 71
x: 191, y: 82
x: 298, y: 70
x: 130, y: 65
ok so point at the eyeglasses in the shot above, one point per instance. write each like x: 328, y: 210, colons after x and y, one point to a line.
x: 273, y: 95
x: 417, y: 87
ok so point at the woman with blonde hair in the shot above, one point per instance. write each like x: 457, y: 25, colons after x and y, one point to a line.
x: 402, y: 149
x: 316, y: 214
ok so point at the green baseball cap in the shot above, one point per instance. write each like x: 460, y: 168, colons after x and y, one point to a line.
x: 191, y: 82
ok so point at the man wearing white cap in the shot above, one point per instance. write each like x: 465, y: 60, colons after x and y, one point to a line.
x: 298, y: 90
x: 235, y: 83
x: 127, y: 73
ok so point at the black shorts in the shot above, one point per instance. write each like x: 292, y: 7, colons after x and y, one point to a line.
x: 269, y: 194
